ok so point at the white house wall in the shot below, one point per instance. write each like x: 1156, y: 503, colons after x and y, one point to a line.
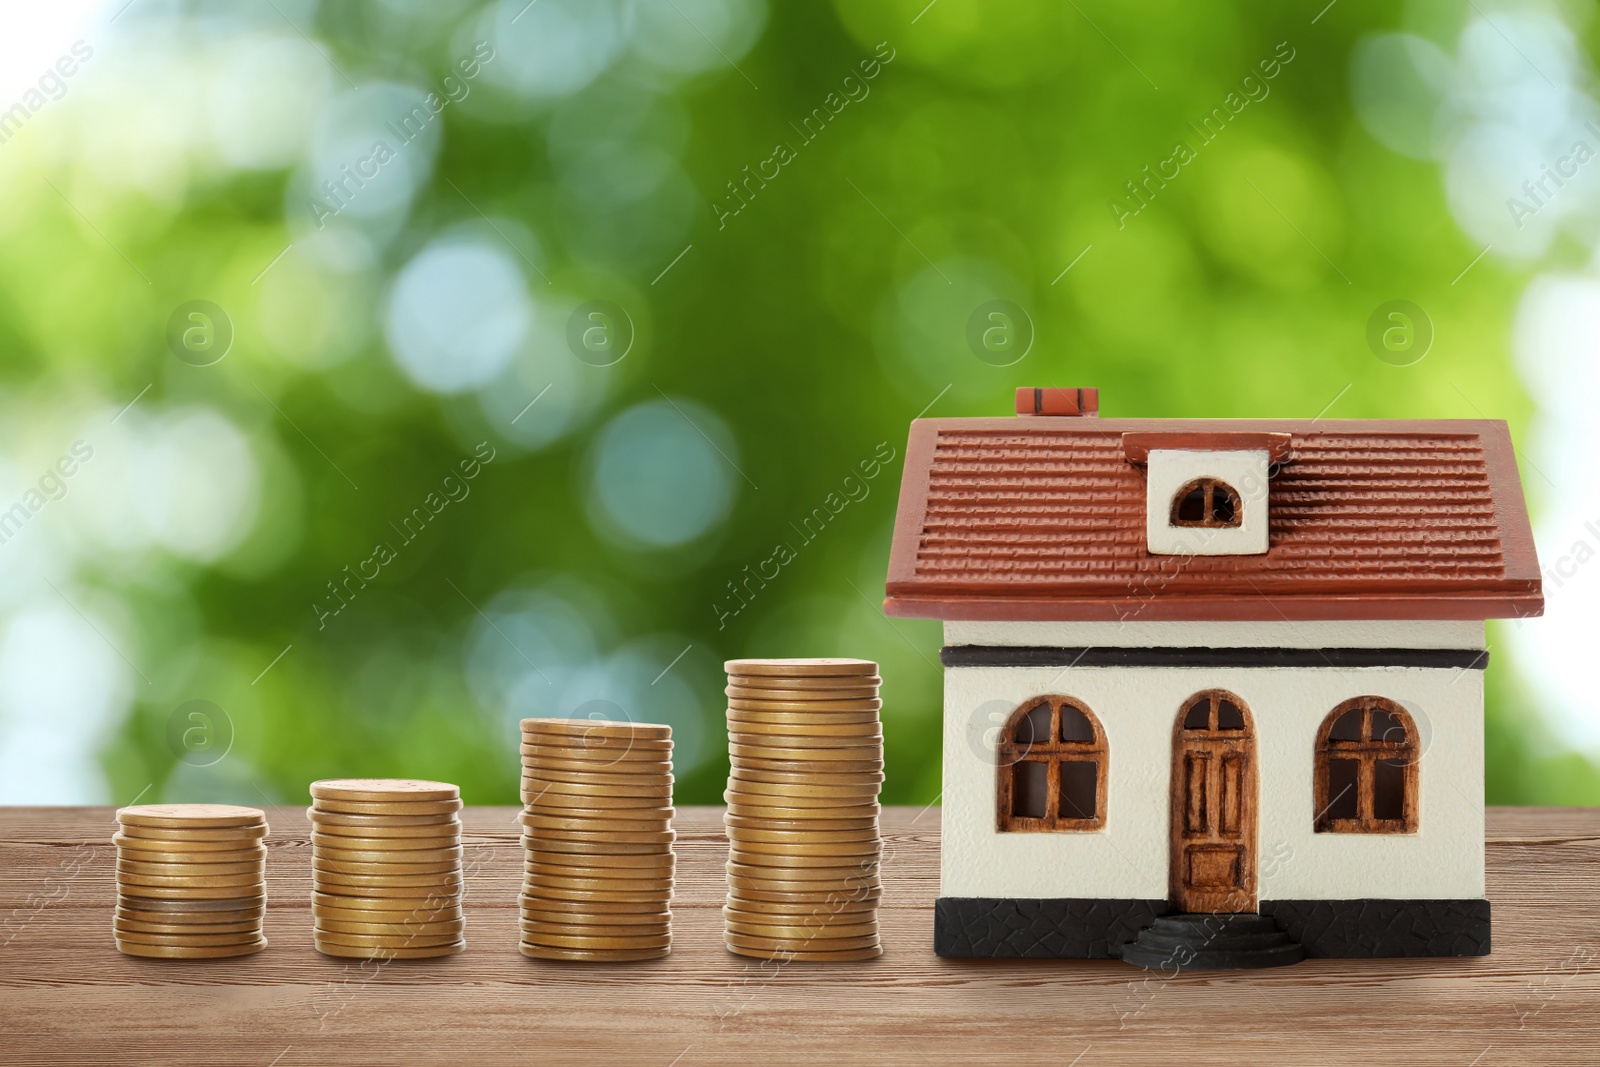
x: 1136, y: 634
x: 1137, y: 708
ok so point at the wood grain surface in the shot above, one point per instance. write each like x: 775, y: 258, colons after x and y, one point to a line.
x: 68, y: 997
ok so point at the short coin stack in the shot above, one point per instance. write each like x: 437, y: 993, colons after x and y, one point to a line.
x: 386, y: 868
x: 598, y: 830
x: 806, y: 750
x: 191, y: 880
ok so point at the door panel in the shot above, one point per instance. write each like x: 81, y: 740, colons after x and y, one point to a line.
x: 1213, y: 867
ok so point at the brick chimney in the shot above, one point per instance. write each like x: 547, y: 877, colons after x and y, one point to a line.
x: 1084, y: 403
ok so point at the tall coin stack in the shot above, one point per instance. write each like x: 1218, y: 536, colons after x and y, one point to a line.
x: 597, y: 825
x: 806, y: 750
x: 191, y: 880
x: 386, y: 868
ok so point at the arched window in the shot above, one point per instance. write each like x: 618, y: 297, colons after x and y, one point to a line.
x: 1206, y: 502
x: 1052, y: 767
x: 1366, y: 772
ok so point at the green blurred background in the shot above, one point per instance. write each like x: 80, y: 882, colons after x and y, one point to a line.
x: 660, y: 276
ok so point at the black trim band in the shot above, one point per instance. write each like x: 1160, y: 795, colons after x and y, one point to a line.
x: 999, y: 928
x: 1472, y: 659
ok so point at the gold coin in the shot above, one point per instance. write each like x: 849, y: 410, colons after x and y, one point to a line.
x: 121, y: 923
x: 621, y: 760
x: 798, y: 944
x: 333, y: 948
x: 420, y: 896
x: 594, y: 955
x: 828, y: 770
x: 400, y: 940
x: 187, y: 870
x: 543, y: 905
x: 803, y: 696
x: 400, y: 930
x: 555, y: 940
x: 850, y: 712
x: 249, y: 879
x: 751, y: 728
x: 400, y: 847
x: 656, y: 790
x: 190, y: 952
x: 378, y: 790
x: 812, y: 683
x: 808, y: 957
x: 816, y: 820
x: 387, y: 807
x: 744, y: 800
x: 563, y: 806
x: 821, y: 932
x: 767, y: 854
x: 623, y: 922
x: 623, y: 782
x: 398, y: 835
x: 786, y: 835
x: 579, y: 920
x: 615, y: 874
x: 355, y: 855
x: 548, y: 835
x: 657, y: 857
x: 413, y: 916
x: 202, y: 839
x: 587, y: 846
x: 836, y: 898
x: 842, y: 888
x: 409, y: 905
x: 138, y: 937
x: 858, y: 761
x: 802, y: 668
x: 800, y: 744
x: 596, y: 748
x: 597, y: 728
x: 653, y: 823
x: 439, y: 821
x: 636, y: 768
x: 386, y: 869
x: 820, y: 778
x: 537, y: 878
x: 538, y: 932
x: 192, y: 859
x: 200, y: 911
x: 191, y: 816
x: 800, y: 911
x: 855, y: 872
x: 580, y: 803
x: 545, y: 891
x: 450, y: 880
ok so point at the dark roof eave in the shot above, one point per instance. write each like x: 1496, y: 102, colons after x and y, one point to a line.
x: 1234, y: 608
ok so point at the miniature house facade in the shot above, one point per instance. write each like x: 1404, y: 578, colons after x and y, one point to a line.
x: 1211, y: 668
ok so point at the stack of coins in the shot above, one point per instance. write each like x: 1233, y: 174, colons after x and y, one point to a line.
x: 191, y: 880
x: 806, y: 750
x: 597, y: 825
x: 386, y: 868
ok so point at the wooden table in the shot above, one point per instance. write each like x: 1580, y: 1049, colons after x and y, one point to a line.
x: 70, y: 997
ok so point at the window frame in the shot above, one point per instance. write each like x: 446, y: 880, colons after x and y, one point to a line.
x: 1056, y: 752
x: 1367, y: 753
x: 1209, y: 487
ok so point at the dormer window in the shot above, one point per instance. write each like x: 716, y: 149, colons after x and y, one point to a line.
x: 1206, y: 502
x: 1206, y: 492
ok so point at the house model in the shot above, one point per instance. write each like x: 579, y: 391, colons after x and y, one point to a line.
x: 1213, y: 688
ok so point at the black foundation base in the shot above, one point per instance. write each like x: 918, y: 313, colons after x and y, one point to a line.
x: 1093, y: 928
x: 1377, y: 929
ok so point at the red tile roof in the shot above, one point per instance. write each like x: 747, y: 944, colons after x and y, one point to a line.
x: 1044, y: 519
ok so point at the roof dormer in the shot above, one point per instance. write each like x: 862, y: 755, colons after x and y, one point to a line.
x: 1206, y: 493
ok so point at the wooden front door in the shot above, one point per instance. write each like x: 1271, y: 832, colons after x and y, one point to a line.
x: 1214, y: 805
